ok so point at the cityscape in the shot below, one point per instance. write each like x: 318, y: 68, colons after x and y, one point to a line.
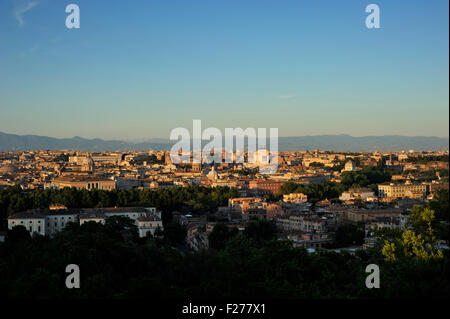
x: 214, y: 159
x: 321, y: 201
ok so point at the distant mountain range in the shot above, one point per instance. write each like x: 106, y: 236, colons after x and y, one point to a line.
x: 12, y: 142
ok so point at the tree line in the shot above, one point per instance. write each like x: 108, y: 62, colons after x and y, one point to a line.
x: 115, y: 263
x: 194, y: 199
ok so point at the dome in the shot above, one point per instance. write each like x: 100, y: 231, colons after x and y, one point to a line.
x: 212, y: 174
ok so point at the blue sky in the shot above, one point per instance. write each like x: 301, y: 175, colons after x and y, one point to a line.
x: 138, y: 69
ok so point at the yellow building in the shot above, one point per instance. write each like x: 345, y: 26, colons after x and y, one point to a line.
x: 393, y: 191
x: 82, y: 182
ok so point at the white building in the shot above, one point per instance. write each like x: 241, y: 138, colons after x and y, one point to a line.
x: 363, y: 194
x: 131, y: 212
x: 146, y: 219
x: 33, y: 221
x: 93, y: 216
x: 57, y: 220
x: 350, y: 166
x: 148, y: 225
x: 303, y: 224
x: 43, y: 221
x: 48, y: 222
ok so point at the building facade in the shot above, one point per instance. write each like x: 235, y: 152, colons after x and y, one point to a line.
x: 393, y: 191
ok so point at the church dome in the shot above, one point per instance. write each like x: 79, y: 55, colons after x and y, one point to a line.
x: 212, y: 174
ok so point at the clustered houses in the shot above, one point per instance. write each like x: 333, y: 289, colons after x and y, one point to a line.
x: 50, y: 221
x: 154, y: 170
x: 295, y: 220
x: 310, y: 228
x: 415, y: 178
x: 306, y: 225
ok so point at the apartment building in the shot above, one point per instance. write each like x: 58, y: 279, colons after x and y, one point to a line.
x: 92, y: 216
x: 146, y: 219
x: 56, y: 220
x: 393, y: 191
x: 82, y: 182
x: 254, y: 213
x: 48, y: 222
x: 302, y: 223
x: 148, y: 225
x: 295, y: 197
x: 263, y: 187
x: 33, y: 221
x: 348, y: 214
x: 363, y: 194
x: 243, y: 202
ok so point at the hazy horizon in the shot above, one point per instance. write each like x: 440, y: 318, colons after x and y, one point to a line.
x: 140, y: 140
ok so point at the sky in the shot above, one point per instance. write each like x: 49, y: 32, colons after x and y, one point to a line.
x: 135, y: 70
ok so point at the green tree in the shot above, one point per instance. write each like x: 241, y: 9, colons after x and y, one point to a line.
x: 418, y: 242
x: 17, y: 234
x: 175, y: 233
x: 349, y: 235
x: 219, y: 236
x: 261, y: 230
